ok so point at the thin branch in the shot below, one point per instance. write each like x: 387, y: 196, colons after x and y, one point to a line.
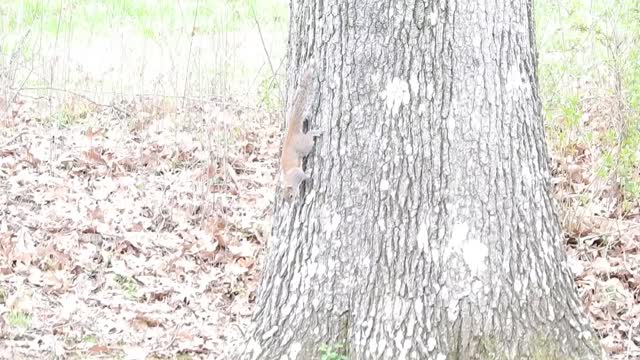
x: 14, y: 138
x: 14, y: 55
x: 264, y: 47
x: 193, y: 32
x: 71, y: 92
x: 218, y: 100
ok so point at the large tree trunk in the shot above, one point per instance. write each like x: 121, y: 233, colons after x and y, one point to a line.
x: 427, y: 229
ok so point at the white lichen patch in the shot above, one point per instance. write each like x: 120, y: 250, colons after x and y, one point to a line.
x: 406, y: 346
x: 452, y: 310
x: 458, y: 235
x: 311, y: 195
x: 388, y: 308
x: 408, y: 149
x: 438, y: 288
x: 430, y: 91
x: 497, y: 289
x: 506, y: 265
x: 379, y: 346
x: 477, y: 287
x: 347, y: 281
x: 294, y: 350
x: 315, y: 303
x: 315, y: 251
x: 418, y: 306
x: 399, y: 342
x: 296, y: 280
x: 475, y: 254
x: 277, y: 282
x: 433, y: 18
x: 573, y: 324
x: 269, y: 333
x: 476, y: 122
x: 441, y: 356
x: 527, y: 177
x: 287, y: 309
x: 451, y: 126
x: 435, y: 254
x: 431, y: 344
x: 517, y: 286
x: 583, y: 320
x: 396, y: 94
x: 514, y: 78
x: 415, y: 84
x: 288, y: 336
x: 384, y: 185
x: 546, y: 249
x: 422, y: 238
x: 533, y: 275
x: 336, y: 80
x: 335, y: 10
x: 311, y: 269
x: 375, y: 77
x: 552, y: 314
x: 333, y: 224
x: 400, y: 307
x: 545, y: 174
x: 585, y: 335
x: 477, y: 40
x: 331, y: 265
x: 254, y: 348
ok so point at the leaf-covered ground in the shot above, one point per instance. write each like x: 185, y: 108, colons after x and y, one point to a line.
x: 602, y: 228
x: 134, y: 231
x: 128, y: 237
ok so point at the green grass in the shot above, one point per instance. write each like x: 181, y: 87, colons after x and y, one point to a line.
x: 589, y: 52
x: 336, y: 352
x: 269, y: 93
x: 146, y: 16
x: 19, y: 319
x: 91, y: 338
x: 128, y: 286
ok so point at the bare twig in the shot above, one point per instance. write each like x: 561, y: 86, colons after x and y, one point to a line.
x: 266, y: 52
x: 232, y: 173
x: 14, y: 138
x: 12, y: 60
x: 168, y: 345
x: 71, y: 92
x: 609, y: 233
x: 193, y: 32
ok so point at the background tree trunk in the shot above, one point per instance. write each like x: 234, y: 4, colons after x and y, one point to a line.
x: 427, y: 229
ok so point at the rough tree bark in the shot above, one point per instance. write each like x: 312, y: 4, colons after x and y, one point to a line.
x: 427, y: 229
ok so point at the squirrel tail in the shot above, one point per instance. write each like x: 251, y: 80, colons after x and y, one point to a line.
x: 300, y: 98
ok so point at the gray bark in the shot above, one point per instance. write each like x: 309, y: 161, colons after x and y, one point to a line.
x: 427, y: 229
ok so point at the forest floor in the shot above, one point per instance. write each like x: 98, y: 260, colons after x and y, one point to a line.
x: 135, y: 227
x: 128, y: 241
x: 134, y: 231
